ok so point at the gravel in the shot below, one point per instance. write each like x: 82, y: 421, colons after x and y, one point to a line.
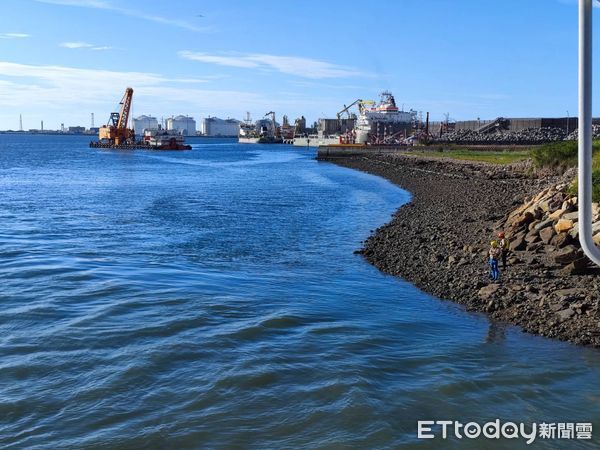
x: 439, y: 241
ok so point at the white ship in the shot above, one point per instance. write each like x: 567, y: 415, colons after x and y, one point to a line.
x: 264, y: 131
x: 384, y: 119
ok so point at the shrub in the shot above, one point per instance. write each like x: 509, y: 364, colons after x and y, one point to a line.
x: 561, y: 154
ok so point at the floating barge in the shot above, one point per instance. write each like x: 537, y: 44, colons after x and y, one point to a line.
x: 99, y: 144
x: 117, y: 135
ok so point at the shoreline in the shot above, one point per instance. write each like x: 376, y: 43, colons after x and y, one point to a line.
x: 438, y: 242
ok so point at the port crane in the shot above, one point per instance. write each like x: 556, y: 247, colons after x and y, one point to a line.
x: 115, y: 132
x: 272, y: 114
x: 360, y: 102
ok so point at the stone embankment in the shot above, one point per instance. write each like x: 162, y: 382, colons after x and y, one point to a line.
x: 439, y: 242
x: 529, y: 136
x: 548, y: 224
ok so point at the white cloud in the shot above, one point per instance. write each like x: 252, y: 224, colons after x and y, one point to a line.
x: 138, y: 14
x: 79, y: 44
x: 291, y: 65
x: 65, y: 92
x: 13, y: 35
x: 75, y: 45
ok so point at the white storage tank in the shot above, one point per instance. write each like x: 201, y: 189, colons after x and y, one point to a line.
x: 142, y: 123
x: 213, y: 126
x: 184, y: 125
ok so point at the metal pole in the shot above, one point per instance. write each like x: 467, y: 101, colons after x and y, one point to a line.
x: 585, y: 131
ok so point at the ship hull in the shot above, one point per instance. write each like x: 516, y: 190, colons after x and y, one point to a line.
x: 248, y: 140
x: 315, y: 141
x: 260, y: 140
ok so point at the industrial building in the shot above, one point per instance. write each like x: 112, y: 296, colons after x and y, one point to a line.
x: 184, y: 125
x: 334, y: 126
x: 142, y: 123
x: 213, y: 126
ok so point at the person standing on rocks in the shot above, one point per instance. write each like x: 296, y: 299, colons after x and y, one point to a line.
x: 494, y: 254
x: 504, y: 247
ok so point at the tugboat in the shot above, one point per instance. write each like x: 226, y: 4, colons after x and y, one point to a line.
x: 164, y: 140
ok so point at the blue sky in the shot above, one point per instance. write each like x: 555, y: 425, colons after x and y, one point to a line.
x: 63, y: 59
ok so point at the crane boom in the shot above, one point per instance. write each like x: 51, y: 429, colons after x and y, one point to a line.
x: 125, y: 108
x: 115, y: 132
x: 346, y: 108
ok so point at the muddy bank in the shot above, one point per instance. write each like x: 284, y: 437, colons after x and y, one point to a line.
x: 439, y: 240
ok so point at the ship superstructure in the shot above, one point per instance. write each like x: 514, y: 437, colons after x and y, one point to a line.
x: 381, y: 122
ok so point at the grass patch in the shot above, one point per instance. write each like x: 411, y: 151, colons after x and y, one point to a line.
x: 595, y: 180
x: 492, y: 157
x: 564, y: 155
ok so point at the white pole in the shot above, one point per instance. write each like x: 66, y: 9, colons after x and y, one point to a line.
x: 585, y: 131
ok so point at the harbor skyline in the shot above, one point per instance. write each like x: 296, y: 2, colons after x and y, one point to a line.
x: 203, y: 60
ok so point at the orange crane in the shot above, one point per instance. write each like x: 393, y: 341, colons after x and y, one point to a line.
x: 116, y: 131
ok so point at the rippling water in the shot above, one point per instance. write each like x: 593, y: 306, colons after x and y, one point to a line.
x: 211, y: 299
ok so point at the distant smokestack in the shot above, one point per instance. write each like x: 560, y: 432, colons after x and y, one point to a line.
x: 92, y: 121
x: 20, y: 122
x: 42, y: 127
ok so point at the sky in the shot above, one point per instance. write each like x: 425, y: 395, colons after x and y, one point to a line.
x: 61, y: 60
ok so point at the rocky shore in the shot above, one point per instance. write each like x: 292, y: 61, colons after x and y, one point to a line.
x: 439, y: 241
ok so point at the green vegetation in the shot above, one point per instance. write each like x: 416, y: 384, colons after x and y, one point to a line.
x: 559, y: 155
x: 493, y: 157
x: 564, y: 155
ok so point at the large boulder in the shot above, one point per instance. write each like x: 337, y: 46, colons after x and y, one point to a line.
x: 566, y: 255
x: 557, y: 214
x: 578, y: 267
x: 518, y: 242
x: 523, y: 220
x: 561, y: 240
x: 574, y: 216
x: 546, y: 235
x: 532, y: 236
x: 543, y: 224
x: 563, y: 225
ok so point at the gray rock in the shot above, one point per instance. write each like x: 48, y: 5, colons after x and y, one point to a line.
x: 546, y: 234
x: 488, y: 291
x: 565, y: 314
x: 543, y: 224
x: 518, y: 243
x: 566, y: 255
x: 565, y: 295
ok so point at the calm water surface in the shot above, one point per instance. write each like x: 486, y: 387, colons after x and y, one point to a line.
x: 211, y: 299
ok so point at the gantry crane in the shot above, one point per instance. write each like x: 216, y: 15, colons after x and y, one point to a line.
x: 115, y: 132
